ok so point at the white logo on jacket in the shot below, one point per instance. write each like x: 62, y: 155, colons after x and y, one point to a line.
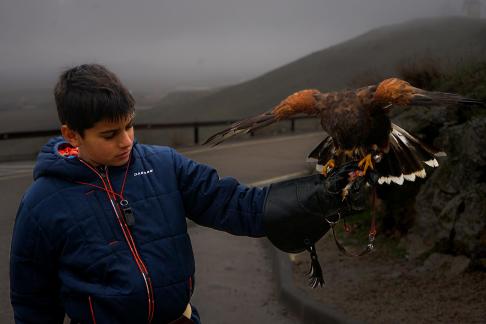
x: 135, y: 174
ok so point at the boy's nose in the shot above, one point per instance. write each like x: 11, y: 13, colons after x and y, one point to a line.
x: 126, y: 140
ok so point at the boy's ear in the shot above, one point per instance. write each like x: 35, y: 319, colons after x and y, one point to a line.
x: 71, y: 136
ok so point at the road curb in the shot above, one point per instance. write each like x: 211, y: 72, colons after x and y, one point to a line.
x: 300, y: 303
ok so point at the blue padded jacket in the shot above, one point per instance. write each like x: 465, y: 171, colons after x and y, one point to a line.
x: 74, y: 251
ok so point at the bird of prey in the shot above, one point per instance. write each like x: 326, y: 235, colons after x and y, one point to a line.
x: 359, y: 128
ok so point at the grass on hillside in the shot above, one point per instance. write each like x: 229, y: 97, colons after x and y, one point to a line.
x: 355, y: 238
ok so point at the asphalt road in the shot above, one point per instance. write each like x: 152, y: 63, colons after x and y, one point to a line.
x: 234, y: 281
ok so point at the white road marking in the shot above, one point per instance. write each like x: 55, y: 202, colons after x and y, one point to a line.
x: 284, y: 177
x: 16, y: 166
x: 17, y: 175
x: 12, y: 170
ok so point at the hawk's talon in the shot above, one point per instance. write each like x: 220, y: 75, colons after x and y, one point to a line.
x: 329, y: 165
x: 367, y: 161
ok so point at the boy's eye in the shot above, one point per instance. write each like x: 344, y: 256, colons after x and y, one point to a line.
x: 129, y: 126
x: 109, y: 135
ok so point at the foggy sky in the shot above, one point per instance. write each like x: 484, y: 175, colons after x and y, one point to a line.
x: 187, y: 41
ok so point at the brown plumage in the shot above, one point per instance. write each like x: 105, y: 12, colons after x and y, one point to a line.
x: 359, y: 127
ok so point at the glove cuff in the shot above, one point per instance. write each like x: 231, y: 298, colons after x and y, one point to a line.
x: 295, y: 212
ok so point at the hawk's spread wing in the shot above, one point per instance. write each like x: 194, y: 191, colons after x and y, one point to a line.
x: 398, y: 92
x: 344, y: 105
x: 302, y: 102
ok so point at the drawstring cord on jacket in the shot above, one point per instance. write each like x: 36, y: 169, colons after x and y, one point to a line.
x: 111, y: 192
x: 129, y: 221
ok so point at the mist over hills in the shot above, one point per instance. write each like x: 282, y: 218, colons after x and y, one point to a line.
x: 359, y: 61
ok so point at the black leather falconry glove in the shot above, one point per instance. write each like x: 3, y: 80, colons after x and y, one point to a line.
x: 296, y: 211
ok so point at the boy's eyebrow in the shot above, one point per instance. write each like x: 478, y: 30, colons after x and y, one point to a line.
x: 116, y: 129
x: 109, y: 131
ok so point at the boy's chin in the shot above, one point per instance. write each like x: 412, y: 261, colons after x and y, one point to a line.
x: 118, y: 163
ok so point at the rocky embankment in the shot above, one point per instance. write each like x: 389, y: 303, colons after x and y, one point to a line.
x: 447, y: 212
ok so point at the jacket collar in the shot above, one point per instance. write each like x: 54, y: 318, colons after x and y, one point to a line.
x: 51, y: 163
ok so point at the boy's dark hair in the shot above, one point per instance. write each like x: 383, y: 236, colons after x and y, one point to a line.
x: 89, y: 93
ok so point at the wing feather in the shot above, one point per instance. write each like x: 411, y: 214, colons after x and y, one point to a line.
x: 398, y: 92
x: 302, y: 102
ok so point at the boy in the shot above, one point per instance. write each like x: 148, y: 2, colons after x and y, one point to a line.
x: 101, y: 234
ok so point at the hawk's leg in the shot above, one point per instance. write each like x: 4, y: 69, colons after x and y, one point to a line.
x: 365, y: 164
x: 328, y: 167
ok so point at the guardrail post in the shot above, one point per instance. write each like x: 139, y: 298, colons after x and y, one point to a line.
x: 292, y: 125
x: 196, y: 134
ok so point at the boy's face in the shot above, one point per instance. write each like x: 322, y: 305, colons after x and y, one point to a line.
x: 106, y: 143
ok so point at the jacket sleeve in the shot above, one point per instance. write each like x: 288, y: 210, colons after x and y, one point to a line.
x: 223, y: 204
x: 34, y: 288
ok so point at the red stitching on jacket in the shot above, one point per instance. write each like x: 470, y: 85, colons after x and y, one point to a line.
x: 91, y: 309
x: 190, y: 286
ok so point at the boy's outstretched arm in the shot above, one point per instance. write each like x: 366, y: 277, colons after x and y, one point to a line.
x: 34, y: 288
x: 224, y: 203
x: 299, y: 204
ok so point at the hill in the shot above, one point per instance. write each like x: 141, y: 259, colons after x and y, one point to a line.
x: 173, y: 100
x: 362, y: 60
x: 358, y: 61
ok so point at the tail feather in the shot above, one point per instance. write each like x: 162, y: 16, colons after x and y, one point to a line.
x: 390, y: 165
x: 326, y: 151
x: 409, y: 154
x: 426, y: 153
x: 243, y: 126
x: 404, y: 161
x: 323, y: 151
x: 409, y: 161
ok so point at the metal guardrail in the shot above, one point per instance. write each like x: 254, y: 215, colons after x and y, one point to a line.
x: 195, y: 125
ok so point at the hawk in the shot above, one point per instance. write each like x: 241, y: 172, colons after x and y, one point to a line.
x: 359, y: 128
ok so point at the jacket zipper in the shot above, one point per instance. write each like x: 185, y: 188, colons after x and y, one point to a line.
x: 129, y: 239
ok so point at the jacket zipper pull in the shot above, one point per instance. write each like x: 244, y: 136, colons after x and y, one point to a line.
x: 127, y: 213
